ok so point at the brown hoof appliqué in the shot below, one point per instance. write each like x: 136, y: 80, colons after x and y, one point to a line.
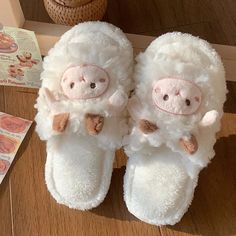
x: 60, y: 122
x: 189, y: 145
x: 94, y: 123
x: 147, y: 127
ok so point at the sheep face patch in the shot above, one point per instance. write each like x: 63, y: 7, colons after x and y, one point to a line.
x: 176, y: 96
x: 84, y: 82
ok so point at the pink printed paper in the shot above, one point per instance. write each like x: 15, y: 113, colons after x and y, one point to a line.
x: 20, y: 58
x: 12, y: 132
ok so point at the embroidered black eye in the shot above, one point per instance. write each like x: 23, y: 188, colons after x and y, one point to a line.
x: 72, y: 85
x: 166, y: 97
x: 92, y: 85
x: 187, y: 101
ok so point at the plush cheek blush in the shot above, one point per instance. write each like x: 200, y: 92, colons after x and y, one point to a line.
x: 176, y: 96
x: 84, y: 82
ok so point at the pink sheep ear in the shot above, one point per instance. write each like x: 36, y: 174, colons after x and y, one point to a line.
x: 82, y: 79
x: 209, y: 118
x: 135, y: 108
x: 118, y: 99
x: 157, y: 90
x: 50, y: 98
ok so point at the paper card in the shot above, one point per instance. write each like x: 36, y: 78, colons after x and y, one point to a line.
x: 20, y: 58
x: 12, y: 132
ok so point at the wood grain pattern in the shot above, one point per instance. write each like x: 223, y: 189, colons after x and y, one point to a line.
x: 5, y: 202
x: 213, y: 210
x: 5, y: 207
x: 211, y: 20
x: 35, y: 212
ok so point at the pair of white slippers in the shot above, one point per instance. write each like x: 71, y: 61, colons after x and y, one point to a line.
x: 175, y: 112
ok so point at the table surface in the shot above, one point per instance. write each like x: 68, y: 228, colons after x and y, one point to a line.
x: 27, y: 209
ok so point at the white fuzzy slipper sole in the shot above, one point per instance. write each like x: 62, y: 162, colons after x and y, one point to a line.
x: 79, y: 180
x: 176, y: 109
x: 158, y: 189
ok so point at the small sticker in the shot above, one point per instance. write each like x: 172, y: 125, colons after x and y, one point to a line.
x: 7, y: 144
x: 12, y: 132
x: 13, y: 124
x: 4, y: 165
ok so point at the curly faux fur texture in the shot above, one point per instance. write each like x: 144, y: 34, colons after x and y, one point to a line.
x: 96, y: 43
x: 181, y: 56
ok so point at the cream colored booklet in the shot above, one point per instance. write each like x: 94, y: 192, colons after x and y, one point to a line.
x: 12, y: 132
x: 20, y: 58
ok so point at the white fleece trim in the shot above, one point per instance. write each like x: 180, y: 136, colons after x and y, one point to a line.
x: 160, y: 177
x: 58, y: 183
x: 158, y: 216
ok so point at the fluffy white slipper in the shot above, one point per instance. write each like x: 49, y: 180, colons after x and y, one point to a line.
x: 81, y: 112
x: 176, y: 110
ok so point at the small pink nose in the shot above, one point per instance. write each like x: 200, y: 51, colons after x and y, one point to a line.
x: 176, y: 93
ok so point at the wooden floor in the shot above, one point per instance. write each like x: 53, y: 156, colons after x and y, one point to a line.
x: 26, y: 207
x: 214, y: 20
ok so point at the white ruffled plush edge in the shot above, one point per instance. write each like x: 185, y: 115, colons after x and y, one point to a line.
x: 96, y: 43
x: 78, y: 174
x: 191, y: 58
x: 71, y: 197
